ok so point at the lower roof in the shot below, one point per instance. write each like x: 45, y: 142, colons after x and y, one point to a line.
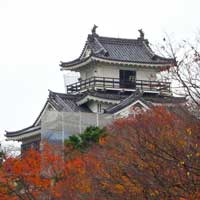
x: 69, y: 103
x: 147, y: 99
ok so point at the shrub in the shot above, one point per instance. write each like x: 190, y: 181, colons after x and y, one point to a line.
x: 90, y: 136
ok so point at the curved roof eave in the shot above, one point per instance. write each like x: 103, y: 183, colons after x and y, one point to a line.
x: 75, y: 63
x: 24, y: 136
x: 26, y: 130
x: 81, y: 63
x: 34, y: 127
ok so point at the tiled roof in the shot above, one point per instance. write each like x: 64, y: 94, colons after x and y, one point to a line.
x: 67, y: 103
x: 104, y: 94
x: 26, y: 130
x: 119, y: 49
x: 165, y: 99
x: 61, y: 102
x: 149, y: 100
x: 129, y: 50
x: 126, y: 102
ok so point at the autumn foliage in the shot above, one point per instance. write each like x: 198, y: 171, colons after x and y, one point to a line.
x: 158, y: 155
x: 152, y: 156
x: 44, y: 175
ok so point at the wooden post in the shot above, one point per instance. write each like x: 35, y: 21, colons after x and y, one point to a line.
x: 150, y: 86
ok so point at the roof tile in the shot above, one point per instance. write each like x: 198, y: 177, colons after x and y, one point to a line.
x: 120, y: 49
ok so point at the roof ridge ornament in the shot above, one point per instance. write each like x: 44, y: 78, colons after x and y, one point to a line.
x: 141, y: 34
x: 94, y: 29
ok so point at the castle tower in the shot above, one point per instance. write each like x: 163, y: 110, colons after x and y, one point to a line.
x: 118, y: 77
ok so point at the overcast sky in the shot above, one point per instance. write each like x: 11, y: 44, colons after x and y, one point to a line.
x: 35, y: 35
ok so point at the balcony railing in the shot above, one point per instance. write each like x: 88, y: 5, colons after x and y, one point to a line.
x: 117, y: 84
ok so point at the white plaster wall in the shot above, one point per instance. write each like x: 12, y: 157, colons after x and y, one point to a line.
x: 82, y: 75
x: 87, y: 72
x: 105, y: 70
x: 93, y: 106
x: 146, y: 74
x: 105, y: 106
x: 113, y: 72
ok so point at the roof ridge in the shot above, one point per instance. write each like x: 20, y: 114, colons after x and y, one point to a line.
x: 102, y: 48
x: 127, y: 41
x: 60, y: 100
x: 51, y: 93
x: 149, y: 50
x: 123, y: 103
x: 116, y: 38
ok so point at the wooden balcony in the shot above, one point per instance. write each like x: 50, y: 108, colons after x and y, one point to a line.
x: 105, y: 83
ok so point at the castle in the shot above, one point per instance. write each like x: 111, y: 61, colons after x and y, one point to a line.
x: 117, y: 76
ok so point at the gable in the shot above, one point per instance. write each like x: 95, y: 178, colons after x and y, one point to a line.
x: 47, y: 107
x: 86, y: 52
x: 133, y: 109
x: 89, y: 98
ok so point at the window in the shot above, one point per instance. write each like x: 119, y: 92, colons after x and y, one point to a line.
x: 127, y: 79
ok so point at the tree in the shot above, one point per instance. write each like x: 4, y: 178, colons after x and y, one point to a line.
x: 186, y: 71
x: 45, y: 175
x: 152, y: 156
x: 2, y: 154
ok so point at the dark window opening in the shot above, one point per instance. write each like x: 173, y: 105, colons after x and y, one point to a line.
x: 127, y: 79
